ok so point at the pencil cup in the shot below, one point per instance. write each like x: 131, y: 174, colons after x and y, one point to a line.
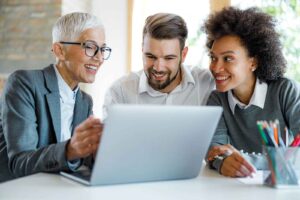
x: 284, y: 166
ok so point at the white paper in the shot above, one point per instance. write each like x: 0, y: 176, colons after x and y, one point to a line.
x: 257, y: 179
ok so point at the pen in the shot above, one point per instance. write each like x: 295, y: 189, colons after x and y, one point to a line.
x: 270, y: 135
x: 281, y: 143
x: 291, y: 136
x: 275, y: 130
x: 286, y: 137
x: 296, y: 141
x: 262, y: 134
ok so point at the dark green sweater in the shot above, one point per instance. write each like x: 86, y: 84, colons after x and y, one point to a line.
x: 240, y: 129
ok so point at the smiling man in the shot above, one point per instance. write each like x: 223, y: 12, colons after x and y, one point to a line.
x: 46, y: 122
x: 164, y: 80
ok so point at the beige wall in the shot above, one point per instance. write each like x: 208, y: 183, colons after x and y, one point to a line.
x: 113, y: 13
x: 216, y: 5
x: 25, y: 28
x: 69, y: 6
x: 25, y: 36
x: 25, y: 33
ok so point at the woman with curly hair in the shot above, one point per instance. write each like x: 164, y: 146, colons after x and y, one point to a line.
x: 248, y: 66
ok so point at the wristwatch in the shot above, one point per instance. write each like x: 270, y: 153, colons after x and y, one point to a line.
x: 217, y: 162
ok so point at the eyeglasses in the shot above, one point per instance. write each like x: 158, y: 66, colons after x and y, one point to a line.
x: 91, y: 48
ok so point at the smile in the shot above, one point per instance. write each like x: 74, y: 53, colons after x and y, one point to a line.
x: 221, y: 78
x: 158, y: 76
x: 91, y: 67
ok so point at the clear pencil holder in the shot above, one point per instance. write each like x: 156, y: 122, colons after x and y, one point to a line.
x: 284, y: 166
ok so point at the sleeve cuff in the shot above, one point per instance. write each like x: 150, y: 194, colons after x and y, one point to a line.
x: 74, y: 164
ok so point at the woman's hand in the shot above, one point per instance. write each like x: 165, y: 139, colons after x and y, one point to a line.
x: 85, y: 139
x: 226, y: 149
x: 234, y: 164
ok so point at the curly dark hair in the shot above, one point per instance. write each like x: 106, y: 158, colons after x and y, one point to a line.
x: 257, y: 33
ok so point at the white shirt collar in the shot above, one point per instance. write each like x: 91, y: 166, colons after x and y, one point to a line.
x: 187, y: 78
x: 66, y: 93
x: 258, y: 97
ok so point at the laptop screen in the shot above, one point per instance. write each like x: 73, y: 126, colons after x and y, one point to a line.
x: 153, y: 142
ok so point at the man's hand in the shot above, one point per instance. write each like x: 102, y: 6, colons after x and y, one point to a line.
x: 85, y: 139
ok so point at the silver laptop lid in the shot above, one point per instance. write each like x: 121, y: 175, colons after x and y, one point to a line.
x: 151, y: 143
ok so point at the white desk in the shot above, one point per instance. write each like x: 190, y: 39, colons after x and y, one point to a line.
x: 207, y: 186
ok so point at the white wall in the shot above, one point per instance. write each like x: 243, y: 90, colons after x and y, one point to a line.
x: 69, y: 6
x: 113, y: 14
x: 193, y: 15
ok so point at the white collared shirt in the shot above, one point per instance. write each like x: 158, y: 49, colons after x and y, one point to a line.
x: 258, y: 97
x: 194, y: 89
x: 67, y: 104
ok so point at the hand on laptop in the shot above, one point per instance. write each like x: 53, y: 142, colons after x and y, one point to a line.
x: 85, y: 139
x: 234, y: 164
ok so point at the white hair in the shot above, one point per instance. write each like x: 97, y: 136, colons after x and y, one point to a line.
x: 70, y: 26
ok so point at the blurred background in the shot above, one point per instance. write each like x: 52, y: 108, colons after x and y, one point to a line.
x: 26, y: 25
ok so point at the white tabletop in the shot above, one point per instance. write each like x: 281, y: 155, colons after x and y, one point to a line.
x: 209, y: 185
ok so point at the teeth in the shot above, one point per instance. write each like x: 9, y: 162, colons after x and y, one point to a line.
x: 92, y: 67
x: 221, y: 78
x: 158, y: 75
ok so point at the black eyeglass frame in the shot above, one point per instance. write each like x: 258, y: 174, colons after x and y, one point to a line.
x: 83, y: 44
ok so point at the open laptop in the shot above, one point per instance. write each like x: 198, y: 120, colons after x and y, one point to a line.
x: 142, y: 143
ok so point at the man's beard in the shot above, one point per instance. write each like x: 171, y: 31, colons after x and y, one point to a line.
x: 157, y: 85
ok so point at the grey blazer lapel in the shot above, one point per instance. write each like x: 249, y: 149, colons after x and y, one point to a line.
x: 80, y: 110
x: 53, y: 99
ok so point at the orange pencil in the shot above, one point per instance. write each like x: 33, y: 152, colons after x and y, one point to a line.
x: 275, y: 129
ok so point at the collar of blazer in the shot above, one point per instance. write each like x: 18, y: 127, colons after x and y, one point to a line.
x: 50, y: 78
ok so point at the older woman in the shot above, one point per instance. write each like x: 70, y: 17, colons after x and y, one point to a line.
x: 46, y: 119
x: 248, y: 67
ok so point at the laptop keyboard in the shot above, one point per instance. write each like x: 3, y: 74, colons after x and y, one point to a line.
x: 83, y: 174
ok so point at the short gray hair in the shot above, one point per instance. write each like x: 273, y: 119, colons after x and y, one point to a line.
x: 70, y: 26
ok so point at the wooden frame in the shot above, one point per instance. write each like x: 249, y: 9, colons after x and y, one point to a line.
x: 216, y: 5
x: 129, y: 34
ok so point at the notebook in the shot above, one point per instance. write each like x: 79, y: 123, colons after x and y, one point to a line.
x: 142, y: 143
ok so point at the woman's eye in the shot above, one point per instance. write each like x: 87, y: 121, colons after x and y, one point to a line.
x: 88, y: 47
x: 228, y: 59
x: 212, y: 58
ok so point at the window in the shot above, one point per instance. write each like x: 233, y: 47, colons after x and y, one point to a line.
x: 193, y: 15
x: 287, y: 14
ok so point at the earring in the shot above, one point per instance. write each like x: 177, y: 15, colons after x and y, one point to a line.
x: 253, y: 69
